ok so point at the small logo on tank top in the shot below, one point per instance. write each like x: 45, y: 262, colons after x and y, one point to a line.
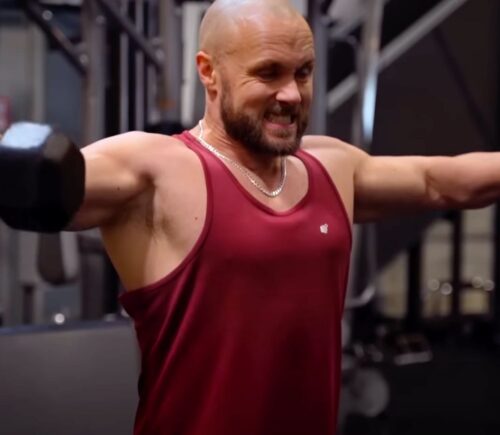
x: 324, y: 229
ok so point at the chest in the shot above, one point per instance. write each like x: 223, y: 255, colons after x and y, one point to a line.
x: 248, y: 233
x: 309, y: 220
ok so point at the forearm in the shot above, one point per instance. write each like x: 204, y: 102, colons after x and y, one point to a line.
x: 465, y: 181
x: 387, y: 185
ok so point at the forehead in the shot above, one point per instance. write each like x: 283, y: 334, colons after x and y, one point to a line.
x: 273, y: 39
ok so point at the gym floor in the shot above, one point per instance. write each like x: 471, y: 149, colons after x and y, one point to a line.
x: 457, y: 393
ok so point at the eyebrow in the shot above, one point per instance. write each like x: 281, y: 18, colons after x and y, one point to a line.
x: 268, y: 63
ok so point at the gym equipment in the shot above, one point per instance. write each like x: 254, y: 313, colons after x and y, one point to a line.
x: 412, y: 349
x: 367, y: 393
x: 42, y: 175
x: 364, y: 390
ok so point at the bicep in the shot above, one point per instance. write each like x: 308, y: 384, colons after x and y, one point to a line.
x: 113, y: 178
x: 387, y: 185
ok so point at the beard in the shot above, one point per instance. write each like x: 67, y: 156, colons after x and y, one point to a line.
x: 248, y: 130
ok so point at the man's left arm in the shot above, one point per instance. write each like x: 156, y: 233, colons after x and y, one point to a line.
x: 386, y: 186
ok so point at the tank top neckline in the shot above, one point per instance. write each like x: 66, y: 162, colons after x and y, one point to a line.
x: 300, y: 204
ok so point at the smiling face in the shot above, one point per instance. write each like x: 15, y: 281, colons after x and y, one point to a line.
x: 264, y: 87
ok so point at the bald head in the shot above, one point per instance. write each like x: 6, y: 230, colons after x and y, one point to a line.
x: 225, y: 18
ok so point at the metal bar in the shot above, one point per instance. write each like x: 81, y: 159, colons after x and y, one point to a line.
x: 456, y: 265
x: 43, y: 18
x: 138, y: 40
x: 319, y: 25
x: 152, y: 76
x: 363, y: 124
x: 368, y: 59
x: 193, y: 93
x: 414, y: 300
x: 343, y: 28
x: 140, y: 82
x: 94, y: 123
x: 94, y: 36
x: 347, y: 88
x: 39, y: 77
x: 171, y: 83
x: 482, y: 125
x: 124, y: 123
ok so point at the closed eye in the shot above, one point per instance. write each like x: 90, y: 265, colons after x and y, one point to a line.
x: 273, y: 71
x: 268, y: 73
x: 305, y: 72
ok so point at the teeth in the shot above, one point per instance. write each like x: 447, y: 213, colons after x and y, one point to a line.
x: 280, y: 119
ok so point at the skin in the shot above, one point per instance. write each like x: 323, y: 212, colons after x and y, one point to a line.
x: 147, y: 194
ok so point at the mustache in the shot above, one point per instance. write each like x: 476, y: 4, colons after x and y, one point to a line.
x: 284, y: 110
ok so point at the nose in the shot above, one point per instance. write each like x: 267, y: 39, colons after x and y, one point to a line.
x: 289, y: 93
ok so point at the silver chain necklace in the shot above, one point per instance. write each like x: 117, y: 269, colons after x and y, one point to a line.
x: 251, y: 177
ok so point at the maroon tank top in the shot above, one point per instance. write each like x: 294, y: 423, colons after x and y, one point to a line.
x: 243, y: 338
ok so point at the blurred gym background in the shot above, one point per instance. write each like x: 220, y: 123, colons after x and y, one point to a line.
x: 399, y: 77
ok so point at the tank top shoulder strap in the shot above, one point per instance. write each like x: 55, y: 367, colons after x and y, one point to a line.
x: 190, y: 141
x: 217, y: 175
x: 316, y: 170
x: 324, y: 185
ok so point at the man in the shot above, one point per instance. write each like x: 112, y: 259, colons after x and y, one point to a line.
x: 234, y: 244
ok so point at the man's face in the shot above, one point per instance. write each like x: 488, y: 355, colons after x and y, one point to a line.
x: 266, y: 88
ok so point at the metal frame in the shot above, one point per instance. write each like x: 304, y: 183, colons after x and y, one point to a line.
x: 124, y: 76
x: 369, y: 57
x: 135, y: 32
x: 320, y: 24
x: 44, y: 19
x: 95, y: 79
x: 140, y: 64
x: 345, y: 90
x: 413, y: 319
x: 363, y: 125
x: 171, y: 33
x: 150, y: 53
x: 170, y: 26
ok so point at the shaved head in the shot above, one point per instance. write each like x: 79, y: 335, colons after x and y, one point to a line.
x: 225, y: 18
x: 256, y: 62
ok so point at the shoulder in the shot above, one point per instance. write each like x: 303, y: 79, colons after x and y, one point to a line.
x: 328, y: 145
x: 136, y: 141
x: 332, y: 151
x: 137, y: 148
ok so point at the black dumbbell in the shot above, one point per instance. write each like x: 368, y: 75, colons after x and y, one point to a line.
x: 42, y: 178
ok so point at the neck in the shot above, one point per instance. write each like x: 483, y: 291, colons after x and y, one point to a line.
x: 265, y: 166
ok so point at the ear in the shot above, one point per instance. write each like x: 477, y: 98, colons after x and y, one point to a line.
x: 206, y: 71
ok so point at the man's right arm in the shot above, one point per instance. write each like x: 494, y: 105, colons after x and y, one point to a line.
x: 116, y: 174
